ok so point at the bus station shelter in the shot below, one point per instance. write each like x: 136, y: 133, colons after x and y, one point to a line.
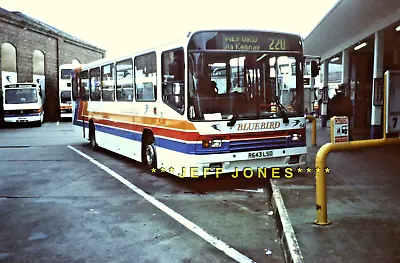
x: 364, y: 38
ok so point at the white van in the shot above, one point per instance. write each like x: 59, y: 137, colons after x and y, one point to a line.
x: 23, y: 102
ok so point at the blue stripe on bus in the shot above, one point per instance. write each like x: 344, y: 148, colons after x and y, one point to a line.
x: 161, y: 142
x: 120, y: 133
x: 76, y: 121
x: 80, y: 124
x: 21, y: 115
x: 264, y: 144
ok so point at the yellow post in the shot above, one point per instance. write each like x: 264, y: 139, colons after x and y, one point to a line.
x: 314, y: 130
x: 320, y: 176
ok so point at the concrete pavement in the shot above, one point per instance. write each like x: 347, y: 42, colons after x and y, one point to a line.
x: 56, y: 206
x: 363, y: 205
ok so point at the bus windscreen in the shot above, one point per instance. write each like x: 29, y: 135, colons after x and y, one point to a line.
x: 21, y: 96
x: 66, y: 74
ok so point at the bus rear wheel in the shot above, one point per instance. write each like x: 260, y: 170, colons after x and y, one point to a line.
x: 92, y: 137
x: 149, y: 155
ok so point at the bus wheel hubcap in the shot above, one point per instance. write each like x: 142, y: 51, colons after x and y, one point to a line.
x: 150, y: 154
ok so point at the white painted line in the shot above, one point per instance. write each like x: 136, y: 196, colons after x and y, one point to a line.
x: 259, y: 190
x: 231, y: 252
x: 293, y: 245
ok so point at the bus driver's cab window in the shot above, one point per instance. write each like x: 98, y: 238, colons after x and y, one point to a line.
x: 173, y: 91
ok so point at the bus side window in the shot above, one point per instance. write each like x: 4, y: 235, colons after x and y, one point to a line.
x: 75, y: 91
x: 107, y: 83
x: 95, y: 94
x: 124, y: 80
x: 146, y: 77
x: 173, y: 89
x: 84, y: 87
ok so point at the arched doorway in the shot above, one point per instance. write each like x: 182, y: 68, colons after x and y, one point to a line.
x: 8, y: 71
x: 38, y: 73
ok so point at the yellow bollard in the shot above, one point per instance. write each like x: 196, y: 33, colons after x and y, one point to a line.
x: 314, y: 130
x: 320, y: 176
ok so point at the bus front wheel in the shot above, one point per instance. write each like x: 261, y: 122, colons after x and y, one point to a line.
x: 149, y: 153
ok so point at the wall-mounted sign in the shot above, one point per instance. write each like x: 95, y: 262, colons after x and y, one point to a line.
x: 8, y: 78
x: 392, y: 92
x: 378, y: 92
x: 339, y: 129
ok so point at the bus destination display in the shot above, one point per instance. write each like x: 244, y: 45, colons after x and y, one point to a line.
x: 253, y: 43
x: 13, y: 86
x: 245, y: 41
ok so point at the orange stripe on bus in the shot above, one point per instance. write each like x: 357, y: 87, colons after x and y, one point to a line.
x: 154, y: 121
x: 65, y: 107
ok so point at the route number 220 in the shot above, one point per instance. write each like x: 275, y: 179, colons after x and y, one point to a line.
x: 277, y: 44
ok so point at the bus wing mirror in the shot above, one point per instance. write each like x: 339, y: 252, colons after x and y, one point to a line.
x: 314, y: 69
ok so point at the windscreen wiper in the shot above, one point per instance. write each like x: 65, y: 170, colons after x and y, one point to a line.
x: 233, y: 120
x: 282, y: 108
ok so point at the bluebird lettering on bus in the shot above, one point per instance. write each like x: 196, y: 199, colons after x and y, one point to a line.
x: 254, y: 126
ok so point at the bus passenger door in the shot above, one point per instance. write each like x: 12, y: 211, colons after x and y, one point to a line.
x: 83, y: 124
x: 76, y: 98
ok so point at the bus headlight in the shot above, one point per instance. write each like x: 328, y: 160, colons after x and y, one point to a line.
x: 295, y: 137
x: 216, y: 143
x: 212, y: 144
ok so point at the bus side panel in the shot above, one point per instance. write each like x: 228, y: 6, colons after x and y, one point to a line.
x: 115, y: 131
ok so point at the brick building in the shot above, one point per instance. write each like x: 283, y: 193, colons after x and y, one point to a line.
x: 30, y: 47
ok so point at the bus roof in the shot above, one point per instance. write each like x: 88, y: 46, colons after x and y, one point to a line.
x: 102, y: 61
x: 70, y: 66
x: 198, y: 30
x: 180, y: 42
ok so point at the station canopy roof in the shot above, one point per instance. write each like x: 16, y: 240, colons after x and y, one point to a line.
x: 349, y: 22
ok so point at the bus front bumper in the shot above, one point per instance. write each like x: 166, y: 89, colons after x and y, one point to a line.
x: 252, y: 162
x: 66, y: 115
x: 23, y: 118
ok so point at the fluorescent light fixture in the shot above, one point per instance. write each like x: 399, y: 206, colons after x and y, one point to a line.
x: 334, y: 59
x: 360, y: 46
x: 398, y: 28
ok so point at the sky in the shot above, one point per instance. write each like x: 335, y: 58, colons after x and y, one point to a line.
x: 125, y: 26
